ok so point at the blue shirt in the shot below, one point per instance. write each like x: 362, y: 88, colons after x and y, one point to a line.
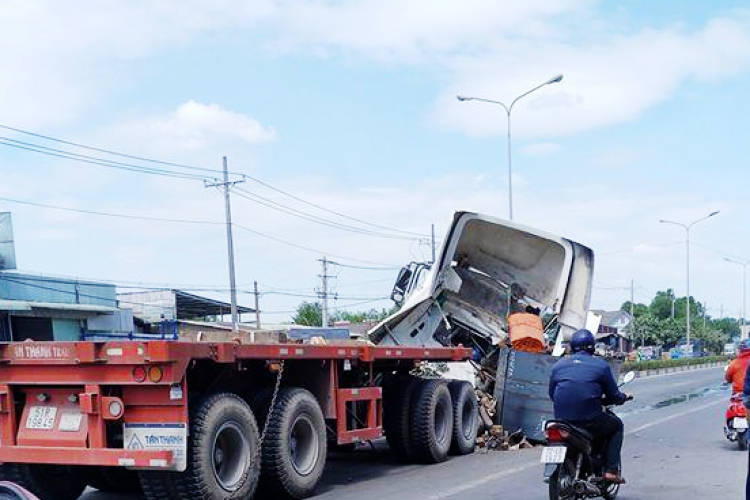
x: 580, y: 384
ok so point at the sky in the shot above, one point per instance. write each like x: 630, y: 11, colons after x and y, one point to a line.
x: 344, y: 139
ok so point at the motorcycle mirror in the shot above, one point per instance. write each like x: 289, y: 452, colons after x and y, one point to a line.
x: 628, y: 377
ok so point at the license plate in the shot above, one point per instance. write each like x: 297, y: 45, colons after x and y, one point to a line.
x: 41, y: 417
x: 739, y: 423
x: 553, y: 454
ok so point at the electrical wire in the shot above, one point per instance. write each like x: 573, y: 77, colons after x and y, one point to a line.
x: 187, y: 221
x: 256, y: 198
x: 99, y: 161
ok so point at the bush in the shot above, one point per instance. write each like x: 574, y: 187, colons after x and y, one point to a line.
x: 656, y: 364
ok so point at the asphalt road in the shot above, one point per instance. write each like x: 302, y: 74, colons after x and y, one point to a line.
x: 674, y: 449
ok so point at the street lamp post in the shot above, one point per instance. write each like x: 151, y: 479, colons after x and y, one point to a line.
x: 508, y: 110
x: 744, y: 288
x: 687, y: 227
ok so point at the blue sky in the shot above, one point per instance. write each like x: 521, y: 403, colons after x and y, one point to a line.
x: 351, y: 106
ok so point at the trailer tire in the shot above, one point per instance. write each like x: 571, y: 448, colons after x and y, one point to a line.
x: 48, y: 482
x: 294, y: 448
x: 222, y: 455
x: 465, y: 417
x: 431, y: 421
x: 397, y: 403
x: 159, y: 485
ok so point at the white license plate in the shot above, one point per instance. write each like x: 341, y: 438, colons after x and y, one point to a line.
x: 553, y: 454
x: 739, y: 423
x: 41, y: 417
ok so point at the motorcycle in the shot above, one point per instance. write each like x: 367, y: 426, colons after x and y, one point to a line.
x: 574, y: 463
x: 736, y: 421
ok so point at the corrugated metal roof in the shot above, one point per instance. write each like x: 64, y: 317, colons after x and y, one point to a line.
x: 24, y: 305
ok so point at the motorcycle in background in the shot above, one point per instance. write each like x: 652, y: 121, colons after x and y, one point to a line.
x: 736, y: 421
x: 574, y: 465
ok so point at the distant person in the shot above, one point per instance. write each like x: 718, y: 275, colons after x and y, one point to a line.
x: 580, y: 386
x: 735, y: 373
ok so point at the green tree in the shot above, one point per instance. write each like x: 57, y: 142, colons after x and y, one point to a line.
x: 661, y: 306
x: 309, y: 314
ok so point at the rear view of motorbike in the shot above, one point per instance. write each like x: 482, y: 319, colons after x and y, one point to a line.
x: 736, y: 422
x: 574, y: 468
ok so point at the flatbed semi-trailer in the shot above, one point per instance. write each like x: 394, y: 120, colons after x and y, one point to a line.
x: 187, y: 420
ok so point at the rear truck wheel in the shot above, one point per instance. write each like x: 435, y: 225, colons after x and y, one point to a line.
x: 294, y: 447
x: 431, y: 421
x: 465, y: 417
x: 397, y: 403
x: 112, y: 479
x: 48, y: 482
x: 223, y: 458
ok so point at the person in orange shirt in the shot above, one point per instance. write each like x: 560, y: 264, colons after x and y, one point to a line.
x: 735, y: 373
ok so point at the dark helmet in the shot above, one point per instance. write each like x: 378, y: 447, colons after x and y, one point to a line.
x: 745, y: 345
x: 582, y: 340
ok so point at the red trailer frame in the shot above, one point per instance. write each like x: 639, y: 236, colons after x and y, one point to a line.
x: 59, y: 401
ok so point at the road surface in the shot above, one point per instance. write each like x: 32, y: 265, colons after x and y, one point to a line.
x: 674, y: 449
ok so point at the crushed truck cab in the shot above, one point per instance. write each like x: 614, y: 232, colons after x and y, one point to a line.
x: 487, y: 269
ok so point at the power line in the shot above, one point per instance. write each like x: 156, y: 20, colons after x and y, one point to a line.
x: 109, y: 214
x: 187, y: 221
x: 108, y: 163
x: 97, y: 161
x: 110, y: 152
x: 256, y: 198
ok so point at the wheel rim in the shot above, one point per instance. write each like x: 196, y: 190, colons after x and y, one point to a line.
x: 441, y: 424
x: 230, y: 456
x: 303, y: 445
x: 468, y: 419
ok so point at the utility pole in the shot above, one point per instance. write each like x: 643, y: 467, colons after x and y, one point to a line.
x: 230, y: 245
x: 324, y: 293
x: 433, y: 243
x: 632, y: 312
x: 257, y: 305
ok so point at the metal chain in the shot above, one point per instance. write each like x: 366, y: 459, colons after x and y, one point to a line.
x: 270, y: 410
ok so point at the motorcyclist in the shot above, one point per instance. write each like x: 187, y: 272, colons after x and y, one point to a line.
x: 579, y: 386
x: 735, y: 374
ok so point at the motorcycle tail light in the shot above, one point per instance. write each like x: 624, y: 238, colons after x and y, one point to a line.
x: 555, y: 433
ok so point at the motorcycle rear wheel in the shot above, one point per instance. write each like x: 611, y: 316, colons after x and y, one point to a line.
x: 561, y: 481
x: 742, y: 441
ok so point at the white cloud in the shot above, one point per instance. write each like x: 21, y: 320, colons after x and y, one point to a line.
x: 192, y: 125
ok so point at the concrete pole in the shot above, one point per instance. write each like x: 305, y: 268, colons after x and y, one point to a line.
x: 230, y: 248
x: 257, y: 305
x: 324, y: 308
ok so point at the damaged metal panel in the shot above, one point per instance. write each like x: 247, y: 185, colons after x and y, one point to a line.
x: 521, y: 391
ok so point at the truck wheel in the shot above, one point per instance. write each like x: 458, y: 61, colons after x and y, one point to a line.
x: 465, y: 417
x: 159, y: 485
x: 294, y: 448
x: 397, y: 403
x: 431, y: 421
x: 48, y: 482
x: 222, y: 455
